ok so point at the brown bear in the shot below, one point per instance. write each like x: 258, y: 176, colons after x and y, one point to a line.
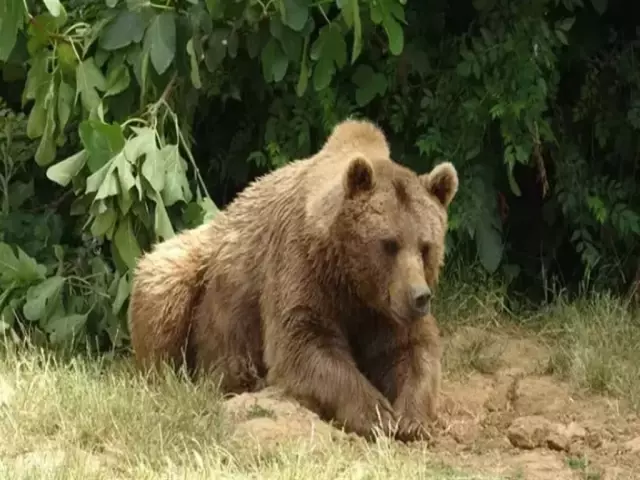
x: 318, y: 279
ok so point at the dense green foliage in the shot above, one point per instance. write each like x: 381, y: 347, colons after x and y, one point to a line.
x: 123, y: 122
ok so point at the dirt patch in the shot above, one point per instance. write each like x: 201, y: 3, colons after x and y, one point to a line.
x: 515, y: 421
x: 268, y: 418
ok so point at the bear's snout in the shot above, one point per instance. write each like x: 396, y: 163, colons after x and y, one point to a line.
x: 420, y: 298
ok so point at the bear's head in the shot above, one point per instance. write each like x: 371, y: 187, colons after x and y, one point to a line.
x: 390, y: 229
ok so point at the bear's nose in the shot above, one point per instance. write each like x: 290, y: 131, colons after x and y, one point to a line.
x: 420, y: 298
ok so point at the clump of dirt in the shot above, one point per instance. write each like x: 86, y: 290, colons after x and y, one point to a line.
x: 515, y: 420
x: 268, y: 418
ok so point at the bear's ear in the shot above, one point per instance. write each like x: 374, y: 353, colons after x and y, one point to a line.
x: 359, y: 176
x: 442, y: 182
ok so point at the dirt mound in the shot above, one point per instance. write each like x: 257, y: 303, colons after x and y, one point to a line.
x: 513, y: 421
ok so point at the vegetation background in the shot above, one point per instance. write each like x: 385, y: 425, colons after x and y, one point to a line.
x: 123, y: 122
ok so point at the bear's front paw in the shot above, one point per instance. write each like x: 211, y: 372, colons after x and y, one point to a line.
x: 410, y: 429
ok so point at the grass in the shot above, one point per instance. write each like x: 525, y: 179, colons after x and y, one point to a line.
x: 593, y: 340
x: 596, y: 346
x: 99, y: 419
x: 88, y: 420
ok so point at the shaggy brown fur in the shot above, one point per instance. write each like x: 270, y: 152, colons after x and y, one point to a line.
x: 316, y: 278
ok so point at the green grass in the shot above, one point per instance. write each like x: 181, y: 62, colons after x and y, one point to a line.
x: 596, y: 346
x: 89, y: 420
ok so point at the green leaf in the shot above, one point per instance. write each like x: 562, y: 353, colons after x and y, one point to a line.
x: 599, y: 6
x: 55, y: 7
x: 512, y: 181
x: 122, y: 294
x: 103, y: 222
x: 162, y: 223
x: 329, y: 51
x: 89, y: 79
x: 160, y: 41
x: 294, y: 13
x: 20, y: 269
x: 369, y: 84
x: 395, y: 34
x: 38, y: 77
x: 567, y: 23
x: 489, y: 245
x: 37, y: 120
x: 65, y: 104
x: 209, y: 208
x: 195, y: 68
x: 126, y: 243
x: 64, y: 329
x: 126, y: 28
x: 46, y: 151
x: 357, y: 30
x: 303, y: 79
x: 12, y: 15
x: 102, y: 142
x: 153, y: 169
x: 41, y: 298
x: 562, y: 37
x: 118, y: 80
x: 62, y: 172
x: 274, y: 61
x: 388, y: 13
x: 176, y: 186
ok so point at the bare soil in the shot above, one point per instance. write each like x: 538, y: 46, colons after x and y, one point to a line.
x: 515, y: 421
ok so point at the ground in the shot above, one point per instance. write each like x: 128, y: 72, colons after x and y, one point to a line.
x: 518, y: 402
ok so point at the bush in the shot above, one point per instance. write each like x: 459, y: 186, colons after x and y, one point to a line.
x: 124, y: 122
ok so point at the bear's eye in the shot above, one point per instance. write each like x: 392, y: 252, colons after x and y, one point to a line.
x: 390, y: 246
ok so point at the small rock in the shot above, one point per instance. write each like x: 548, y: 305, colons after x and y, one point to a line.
x: 529, y: 432
x: 557, y: 441
x: 575, y: 431
x: 561, y: 437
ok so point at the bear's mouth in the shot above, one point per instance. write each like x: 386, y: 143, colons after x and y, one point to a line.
x: 408, y: 318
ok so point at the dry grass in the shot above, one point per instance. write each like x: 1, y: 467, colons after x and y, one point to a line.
x: 90, y: 420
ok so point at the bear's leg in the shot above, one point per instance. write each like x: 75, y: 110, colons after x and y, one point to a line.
x: 226, y: 342
x: 419, y: 388
x: 310, y: 360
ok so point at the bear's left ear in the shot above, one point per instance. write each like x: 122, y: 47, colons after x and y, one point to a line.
x: 359, y: 176
x: 442, y: 182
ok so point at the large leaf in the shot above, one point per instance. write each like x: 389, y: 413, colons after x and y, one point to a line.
x: 390, y: 13
x: 89, y: 79
x: 41, y: 298
x: 160, y: 41
x: 369, y: 83
x: 176, y: 186
x: 102, y: 142
x: 295, y: 13
x: 126, y: 243
x: 329, y: 51
x: 62, y: 172
x: 64, y: 329
x: 18, y: 269
x: 12, y: 16
x: 126, y: 28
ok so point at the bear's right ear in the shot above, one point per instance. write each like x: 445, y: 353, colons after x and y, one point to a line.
x: 359, y: 176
